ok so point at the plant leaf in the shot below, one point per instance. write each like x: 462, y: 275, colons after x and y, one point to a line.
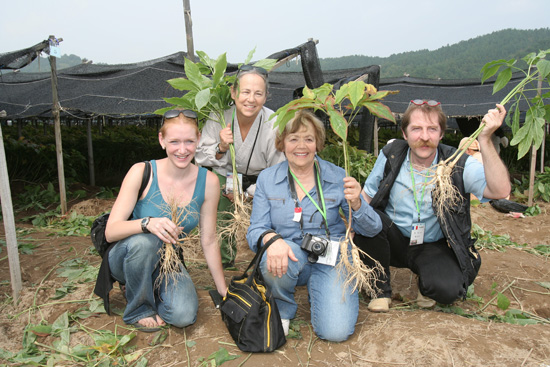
x: 219, y: 69
x: 544, y: 68
x: 356, y: 92
x: 202, y: 98
x: 380, y: 110
x: 338, y: 123
x: 182, y: 84
x: 502, y: 301
x: 502, y: 79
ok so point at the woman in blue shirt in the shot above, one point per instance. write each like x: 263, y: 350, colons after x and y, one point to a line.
x: 134, y: 260
x: 299, y: 197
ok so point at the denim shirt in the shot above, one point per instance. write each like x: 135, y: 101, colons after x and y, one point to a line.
x: 273, y: 207
x: 401, y: 206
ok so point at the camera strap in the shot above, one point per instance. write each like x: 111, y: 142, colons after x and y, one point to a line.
x: 255, y: 138
x: 320, y: 197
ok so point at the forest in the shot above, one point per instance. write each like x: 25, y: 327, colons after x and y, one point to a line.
x: 462, y: 60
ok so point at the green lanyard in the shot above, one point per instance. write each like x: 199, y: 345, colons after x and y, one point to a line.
x: 414, y: 192
x: 320, y: 188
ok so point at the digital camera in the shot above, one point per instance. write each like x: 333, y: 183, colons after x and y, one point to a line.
x: 314, y: 246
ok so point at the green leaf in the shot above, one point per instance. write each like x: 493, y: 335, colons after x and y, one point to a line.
x: 219, y: 69
x: 159, y: 337
x: 267, y: 64
x: 193, y: 73
x: 338, y: 123
x: 544, y: 284
x: 41, y: 330
x: 502, y: 79
x: 182, y: 84
x: 308, y: 93
x: 341, y: 94
x: 502, y: 301
x: 222, y: 356
x: 380, y: 110
x: 489, y: 71
x: 356, y: 92
x: 202, y: 98
x: 544, y: 67
x: 250, y: 55
x: 179, y: 101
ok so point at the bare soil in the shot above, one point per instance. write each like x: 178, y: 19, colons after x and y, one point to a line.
x: 405, y: 336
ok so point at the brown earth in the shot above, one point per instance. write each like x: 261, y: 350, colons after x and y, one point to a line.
x: 406, y: 336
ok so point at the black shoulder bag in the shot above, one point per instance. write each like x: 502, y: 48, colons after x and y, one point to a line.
x: 97, y: 232
x: 249, y: 309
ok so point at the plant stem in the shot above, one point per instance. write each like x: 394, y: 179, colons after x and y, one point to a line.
x: 459, y: 152
x: 492, y: 299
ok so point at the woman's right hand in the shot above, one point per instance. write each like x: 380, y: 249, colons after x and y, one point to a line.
x: 277, y: 257
x: 164, y: 229
x: 226, y: 138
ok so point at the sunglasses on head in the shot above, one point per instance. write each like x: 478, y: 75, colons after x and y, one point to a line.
x: 260, y: 70
x: 420, y: 102
x: 175, y: 113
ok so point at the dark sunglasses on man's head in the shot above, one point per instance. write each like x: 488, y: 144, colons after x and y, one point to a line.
x: 420, y: 102
x: 175, y: 113
x: 260, y: 70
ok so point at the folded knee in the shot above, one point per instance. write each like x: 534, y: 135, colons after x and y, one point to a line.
x: 335, y: 333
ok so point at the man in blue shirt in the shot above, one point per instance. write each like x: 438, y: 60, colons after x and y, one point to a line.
x: 435, y: 245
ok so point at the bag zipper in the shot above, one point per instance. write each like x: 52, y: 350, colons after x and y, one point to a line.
x: 239, y: 297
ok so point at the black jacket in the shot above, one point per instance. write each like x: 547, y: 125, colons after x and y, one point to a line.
x: 455, y: 222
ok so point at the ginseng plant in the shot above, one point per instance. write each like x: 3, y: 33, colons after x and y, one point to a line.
x: 529, y: 135
x: 348, y: 100
x: 207, y: 89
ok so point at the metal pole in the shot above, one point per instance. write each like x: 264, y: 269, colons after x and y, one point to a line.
x: 189, y: 30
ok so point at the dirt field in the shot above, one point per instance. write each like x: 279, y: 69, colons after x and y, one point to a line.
x: 406, y: 336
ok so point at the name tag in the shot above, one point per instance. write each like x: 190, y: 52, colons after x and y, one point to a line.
x: 417, y: 233
x: 297, y: 214
x: 229, y: 182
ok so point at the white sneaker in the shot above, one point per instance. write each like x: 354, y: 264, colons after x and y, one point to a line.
x: 286, y: 325
x: 424, y: 302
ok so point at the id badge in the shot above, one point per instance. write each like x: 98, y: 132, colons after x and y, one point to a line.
x: 332, y: 254
x: 297, y: 215
x: 417, y: 233
x: 229, y: 182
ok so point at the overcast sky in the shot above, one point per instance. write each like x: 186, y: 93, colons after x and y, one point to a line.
x: 127, y: 31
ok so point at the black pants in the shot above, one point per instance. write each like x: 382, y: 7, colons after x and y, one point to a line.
x: 439, y: 275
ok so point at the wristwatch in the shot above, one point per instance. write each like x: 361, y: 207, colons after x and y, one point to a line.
x: 144, y: 223
x: 218, y: 151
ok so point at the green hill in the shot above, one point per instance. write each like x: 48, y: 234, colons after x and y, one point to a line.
x: 459, y: 61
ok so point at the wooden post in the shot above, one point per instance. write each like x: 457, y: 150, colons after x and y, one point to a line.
x: 91, y: 166
x: 9, y: 224
x: 58, y: 145
x: 189, y: 30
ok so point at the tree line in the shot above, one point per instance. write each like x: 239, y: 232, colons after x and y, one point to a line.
x: 462, y: 60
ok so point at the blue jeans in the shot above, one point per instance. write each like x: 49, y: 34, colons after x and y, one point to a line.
x: 134, y: 262
x: 334, y: 308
